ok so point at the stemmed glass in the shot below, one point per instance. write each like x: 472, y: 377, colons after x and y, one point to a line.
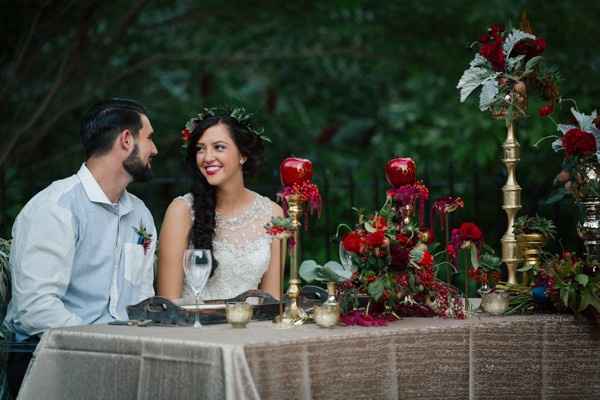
x: 197, y: 264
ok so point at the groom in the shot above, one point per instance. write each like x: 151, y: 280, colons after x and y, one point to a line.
x: 83, y: 248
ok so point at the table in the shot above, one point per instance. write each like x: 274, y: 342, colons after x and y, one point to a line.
x: 520, y: 357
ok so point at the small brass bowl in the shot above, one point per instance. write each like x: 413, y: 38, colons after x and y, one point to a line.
x: 238, y: 314
x: 326, y: 315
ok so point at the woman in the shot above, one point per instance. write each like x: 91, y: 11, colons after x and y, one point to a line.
x: 220, y: 213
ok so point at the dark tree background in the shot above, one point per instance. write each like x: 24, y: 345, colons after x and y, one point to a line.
x: 347, y: 84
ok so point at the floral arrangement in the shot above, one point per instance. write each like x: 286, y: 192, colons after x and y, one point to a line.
x: 563, y: 283
x: 393, y: 259
x: 280, y: 227
x: 528, y: 225
x: 296, y: 180
x: 580, y: 167
x: 239, y: 113
x: 506, y: 64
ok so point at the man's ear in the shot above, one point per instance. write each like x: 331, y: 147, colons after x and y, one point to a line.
x: 126, y: 140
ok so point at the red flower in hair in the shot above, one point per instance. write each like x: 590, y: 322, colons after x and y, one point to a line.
x: 186, y: 135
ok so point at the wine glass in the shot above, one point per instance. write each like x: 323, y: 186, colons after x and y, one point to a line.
x: 197, y: 264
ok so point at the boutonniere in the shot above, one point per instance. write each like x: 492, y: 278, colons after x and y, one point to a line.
x: 144, y: 237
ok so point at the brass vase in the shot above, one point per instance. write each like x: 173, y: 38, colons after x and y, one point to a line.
x: 530, y: 249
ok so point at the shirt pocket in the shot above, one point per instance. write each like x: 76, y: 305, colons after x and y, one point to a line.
x: 133, y: 263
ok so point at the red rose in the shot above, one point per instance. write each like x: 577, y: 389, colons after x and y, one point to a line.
x: 578, y: 142
x: 379, y: 223
x: 492, y: 48
x: 375, y: 239
x: 426, y: 259
x: 353, y: 242
x: 529, y: 48
x: 546, y: 110
x: 470, y: 231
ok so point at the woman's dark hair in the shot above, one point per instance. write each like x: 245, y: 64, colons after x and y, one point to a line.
x: 250, y: 146
x: 106, y: 120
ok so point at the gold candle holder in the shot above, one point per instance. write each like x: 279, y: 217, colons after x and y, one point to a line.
x: 295, y: 211
x: 511, y: 190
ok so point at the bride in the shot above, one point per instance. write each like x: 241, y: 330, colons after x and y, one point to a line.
x: 220, y: 213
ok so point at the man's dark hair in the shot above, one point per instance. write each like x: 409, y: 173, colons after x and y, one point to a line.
x: 106, y: 120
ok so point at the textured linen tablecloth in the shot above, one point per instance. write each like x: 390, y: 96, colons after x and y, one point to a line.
x: 521, y: 357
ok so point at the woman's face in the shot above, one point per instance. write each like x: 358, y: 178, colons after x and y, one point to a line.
x: 218, y: 157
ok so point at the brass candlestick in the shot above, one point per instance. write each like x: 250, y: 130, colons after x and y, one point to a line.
x: 512, y: 203
x: 511, y: 190
x: 295, y: 211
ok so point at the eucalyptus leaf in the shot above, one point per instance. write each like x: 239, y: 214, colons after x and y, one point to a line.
x: 513, y: 38
x: 582, y: 279
x: 470, y: 80
x: 309, y: 270
x: 375, y: 289
x: 586, y: 122
x: 530, y: 65
x: 489, y: 90
x: 338, y: 271
x: 369, y: 227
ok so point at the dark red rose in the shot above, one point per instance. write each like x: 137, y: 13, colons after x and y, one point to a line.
x: 400, y: 256
x: 546, y: 110
x: 353, y: 242
x: 578, y: 142
x: 529, y: 48
x: 470, y: 231
x: 375, y: 239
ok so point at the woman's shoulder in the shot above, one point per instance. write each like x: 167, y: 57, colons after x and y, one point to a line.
x: 186, y: 199
x: 269, y: 205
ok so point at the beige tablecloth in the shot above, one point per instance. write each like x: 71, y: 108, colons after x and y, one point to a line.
x: 522, y: 357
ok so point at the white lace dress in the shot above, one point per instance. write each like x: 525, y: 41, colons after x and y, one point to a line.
x: 242, y: 248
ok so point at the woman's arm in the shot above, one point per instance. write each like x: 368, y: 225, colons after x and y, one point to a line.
x: 174, y: 236
x: 272, y: 278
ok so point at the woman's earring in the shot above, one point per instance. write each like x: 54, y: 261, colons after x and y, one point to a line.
x: 242, y: 161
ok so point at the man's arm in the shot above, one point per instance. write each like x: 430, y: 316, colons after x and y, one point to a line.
x: 41, y: 263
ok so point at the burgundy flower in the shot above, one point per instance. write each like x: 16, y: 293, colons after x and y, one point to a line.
x: 353, y: 242
x: 375, y: 239
x: 470, y: 231
x: 529, y: 48
x: 186, y: 135
x: 578, y: 142
x: 491, y: 48
x: 546, y: 110
x: 399, y: 255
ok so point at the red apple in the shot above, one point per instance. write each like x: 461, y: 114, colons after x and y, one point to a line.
x: 295, y: 170
x: 401, y: 171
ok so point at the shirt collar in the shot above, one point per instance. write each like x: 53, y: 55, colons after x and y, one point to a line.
x: 96, y: 194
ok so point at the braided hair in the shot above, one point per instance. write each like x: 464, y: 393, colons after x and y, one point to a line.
x: 249, y: 145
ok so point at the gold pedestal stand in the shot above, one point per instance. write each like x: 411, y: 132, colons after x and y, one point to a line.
x: 294, y: 315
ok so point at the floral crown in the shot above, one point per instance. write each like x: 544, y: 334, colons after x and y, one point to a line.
x: 239, y: 114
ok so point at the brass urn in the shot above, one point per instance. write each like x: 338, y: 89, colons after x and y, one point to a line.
x: 530, y: 249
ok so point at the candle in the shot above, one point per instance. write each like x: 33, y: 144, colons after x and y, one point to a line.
x: 326, y: 316
x: 238, y: 314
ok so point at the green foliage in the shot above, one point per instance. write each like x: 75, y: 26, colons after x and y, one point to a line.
x: 525, y: 224
x: 332, y: 271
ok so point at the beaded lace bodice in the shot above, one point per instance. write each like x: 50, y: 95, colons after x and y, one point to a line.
x: 242, y: 248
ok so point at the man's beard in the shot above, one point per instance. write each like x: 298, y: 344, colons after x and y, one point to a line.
x: 135, y: 166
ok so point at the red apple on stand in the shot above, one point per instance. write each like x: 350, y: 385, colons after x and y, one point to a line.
x: 401, y: 171
x: 295, y: 170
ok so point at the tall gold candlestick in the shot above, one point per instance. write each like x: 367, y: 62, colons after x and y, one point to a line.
x: 295, y: 211
x: 512, y: 202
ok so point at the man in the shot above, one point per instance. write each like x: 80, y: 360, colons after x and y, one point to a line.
x: 83, y: 248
